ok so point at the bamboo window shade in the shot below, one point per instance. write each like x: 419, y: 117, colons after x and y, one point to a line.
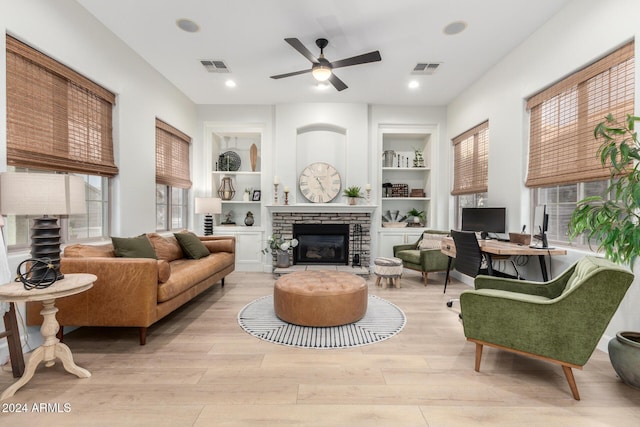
x: 57, y: 119
x: 470, y: 164
x: 562, y: 148
x: 172, y: 156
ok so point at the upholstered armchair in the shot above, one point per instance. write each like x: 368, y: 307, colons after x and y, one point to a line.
x: 560, y: 321
x: 424, y: 255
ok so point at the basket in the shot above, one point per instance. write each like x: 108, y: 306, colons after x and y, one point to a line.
x: 520, y: 238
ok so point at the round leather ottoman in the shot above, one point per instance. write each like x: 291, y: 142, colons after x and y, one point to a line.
x: 320, y: 298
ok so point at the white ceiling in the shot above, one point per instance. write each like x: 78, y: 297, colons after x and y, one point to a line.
x: 249, y: 36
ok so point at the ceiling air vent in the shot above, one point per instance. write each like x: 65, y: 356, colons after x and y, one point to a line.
x: 213, y: 66
x: 427, y: 68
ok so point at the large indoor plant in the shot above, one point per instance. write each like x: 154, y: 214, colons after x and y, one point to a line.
x: 613, y: 222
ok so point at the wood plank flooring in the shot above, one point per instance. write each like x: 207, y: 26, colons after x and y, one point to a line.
x: 199, y: 368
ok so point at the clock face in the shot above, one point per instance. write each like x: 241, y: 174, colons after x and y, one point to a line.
x: 320, y: 182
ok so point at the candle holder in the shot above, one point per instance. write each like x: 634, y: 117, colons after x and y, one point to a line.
x: 275, y: 194
x: 226, y: 190
x: 286, y: 197
x: 368, y: 196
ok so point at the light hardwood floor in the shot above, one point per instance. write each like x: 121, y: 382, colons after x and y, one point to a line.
x: 199, y: 368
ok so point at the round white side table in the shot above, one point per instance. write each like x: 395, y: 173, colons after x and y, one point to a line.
x: 52, y: 348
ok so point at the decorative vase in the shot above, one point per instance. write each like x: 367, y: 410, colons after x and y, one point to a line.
x: 248, y: 220
x: 353, y: 200
x: 624, y: 353
x: 245, y: 196
x: 282, y: 259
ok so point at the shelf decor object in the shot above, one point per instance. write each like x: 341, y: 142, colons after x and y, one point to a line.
x: 226, y: 190
x: 43, y: 194
x: 208, y: 206
x: 229, y: 161
x: 253, y: 156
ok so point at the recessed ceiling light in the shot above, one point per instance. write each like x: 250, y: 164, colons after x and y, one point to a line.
x: 454, y: 28
x: 413, y: 84
x: 230, y: 83
x: 188, y: 25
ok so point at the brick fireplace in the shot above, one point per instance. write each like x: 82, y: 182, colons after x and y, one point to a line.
x: 358, y: 219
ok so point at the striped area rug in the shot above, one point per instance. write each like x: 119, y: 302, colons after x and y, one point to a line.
x: 382, y: 320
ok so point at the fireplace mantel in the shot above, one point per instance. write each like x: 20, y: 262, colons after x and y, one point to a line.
x: 322, y: 207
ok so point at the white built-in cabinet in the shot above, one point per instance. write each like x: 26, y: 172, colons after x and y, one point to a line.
x: 399, y: 147
x: 235, y: 142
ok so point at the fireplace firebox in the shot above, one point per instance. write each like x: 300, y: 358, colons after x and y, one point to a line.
x: 321, y: 244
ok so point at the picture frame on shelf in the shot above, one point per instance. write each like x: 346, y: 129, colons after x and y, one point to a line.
x: 256, y: 195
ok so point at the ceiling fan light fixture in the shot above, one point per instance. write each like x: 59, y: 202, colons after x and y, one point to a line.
x: 321, y: 72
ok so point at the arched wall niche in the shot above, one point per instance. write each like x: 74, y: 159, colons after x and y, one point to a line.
x: 321, y: 142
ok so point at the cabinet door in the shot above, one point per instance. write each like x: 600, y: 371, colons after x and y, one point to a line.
x: 249, y: 251
x: 388, y: 241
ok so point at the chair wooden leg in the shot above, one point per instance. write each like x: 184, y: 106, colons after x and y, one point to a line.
x: 478, y: 356
x: 378, y: 281
x: 424, y: 277
x: 572, y: 382
x: 12, y: 334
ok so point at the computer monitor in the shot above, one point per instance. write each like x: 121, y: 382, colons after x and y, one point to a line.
x: 540, y: 227
x: 484, y: 220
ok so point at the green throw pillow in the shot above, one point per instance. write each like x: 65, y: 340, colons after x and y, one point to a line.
x: 133, y: 247
x: 191, y: 245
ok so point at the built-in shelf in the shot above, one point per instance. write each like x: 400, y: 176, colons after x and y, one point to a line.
x: 241, y: 202
x: 235, y: 173
x: 406, y: 169
x: 384, y: 199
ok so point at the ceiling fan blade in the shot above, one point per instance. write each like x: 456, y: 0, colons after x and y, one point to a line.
x: 337, y: 83
x: 360, y: 59
x: 297, y: 45
x: 295, y: 73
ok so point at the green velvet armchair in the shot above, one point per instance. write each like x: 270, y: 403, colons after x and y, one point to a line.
x: 426, y: 260
x: 560, y: 321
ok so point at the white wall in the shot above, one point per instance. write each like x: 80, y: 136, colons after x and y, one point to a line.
x: 582, y: 32
x: 67, y: 32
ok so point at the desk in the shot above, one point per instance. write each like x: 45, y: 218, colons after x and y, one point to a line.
x: 495, y: 247
x: 51, y: 349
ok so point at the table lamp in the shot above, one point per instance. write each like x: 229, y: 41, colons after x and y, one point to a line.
x: 208, y: 206
x: 43, y: 194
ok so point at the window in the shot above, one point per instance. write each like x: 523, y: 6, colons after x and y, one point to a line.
x: 470, y: 168
x: 563, y: 163
x: 59, y: 121
x: 172, y: 177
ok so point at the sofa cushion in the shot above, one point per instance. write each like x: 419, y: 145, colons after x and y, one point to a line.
x: 191, y: 245
x: 167, y: 248
x: 411, y: 256
x: 87, y: 251
x: 164, y: 271
x: 186, y: 273
x: 133, y: 247
x: 430, y: 241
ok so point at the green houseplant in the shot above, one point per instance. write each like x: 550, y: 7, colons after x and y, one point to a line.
x: 353, y: 193
x: 613, y: 222
x: 418, y: 216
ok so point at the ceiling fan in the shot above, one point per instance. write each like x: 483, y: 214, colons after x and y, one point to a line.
x: 322, y: 69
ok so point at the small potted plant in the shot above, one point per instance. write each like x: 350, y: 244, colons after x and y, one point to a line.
x: 281, y: 246
x: 418, y: 216
x: 613, y: 224
x: 247, y: 194
x: 353, y: 193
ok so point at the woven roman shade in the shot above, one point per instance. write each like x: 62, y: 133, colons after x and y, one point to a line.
x: 57, y: 119
x: 470, y: 161
x: 562, y: 148
x: 172, y: 156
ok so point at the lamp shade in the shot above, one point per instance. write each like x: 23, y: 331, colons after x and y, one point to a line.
x: 208, y: 205
x: 41, y: 194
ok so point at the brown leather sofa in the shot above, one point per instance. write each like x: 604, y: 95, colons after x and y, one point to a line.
x: 137, y: 292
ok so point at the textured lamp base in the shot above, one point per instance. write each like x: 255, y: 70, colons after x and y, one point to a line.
x: 208, y: 225
x: 45, y: 244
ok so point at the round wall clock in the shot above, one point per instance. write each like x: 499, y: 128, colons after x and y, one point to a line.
x: 320, y: 182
